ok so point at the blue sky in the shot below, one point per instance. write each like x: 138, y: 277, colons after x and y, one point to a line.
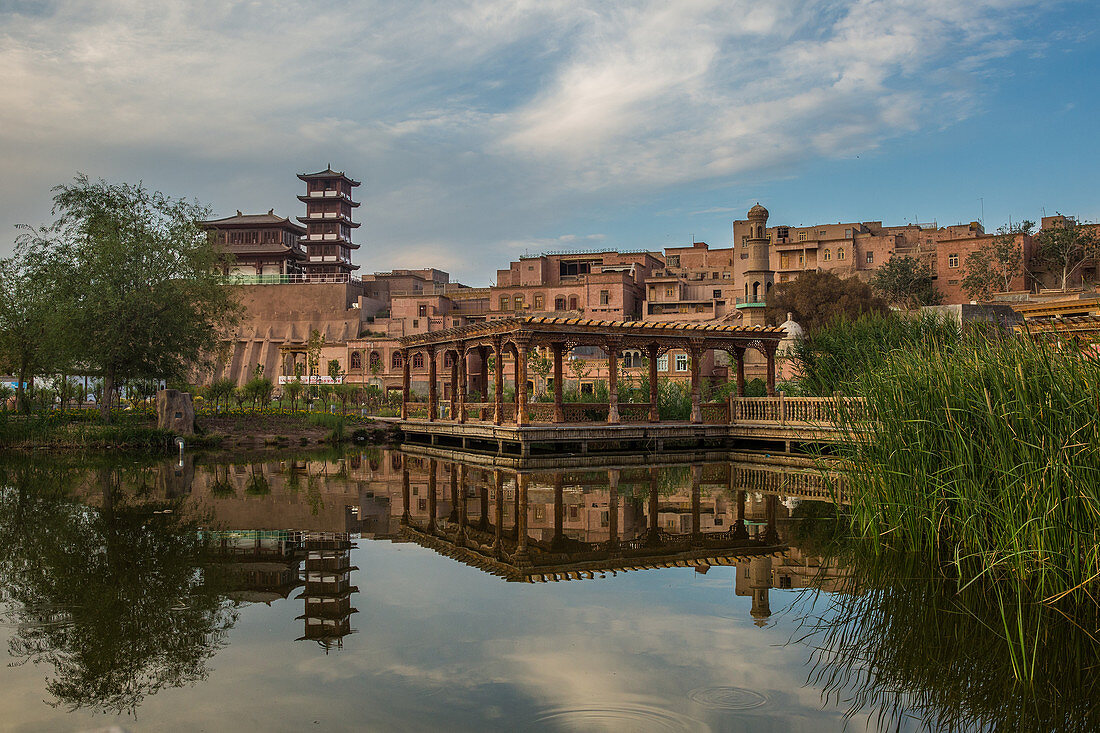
x: 484, y: 129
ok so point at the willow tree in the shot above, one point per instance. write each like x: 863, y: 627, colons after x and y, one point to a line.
x: 150, y: 297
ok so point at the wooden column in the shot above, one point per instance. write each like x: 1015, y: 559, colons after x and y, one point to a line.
x: 453, y: 516
x: 651, y: 354
x: 696, y: 508
x: 740, y: 371
x: 433, y: 396
x: 695, y: 354
x: 557, y: 544
x: 652, y: 538
x: 433, y: 487
x: 463, y: 517
x: 406, y: 384
x: 521, y: 382
x: 559, y: 408
x: 462, y: 380
x: 483, y: 377
x: 453, y: 408
x: 741, y: 531
x: 405, y: 490
x: 498, y: 498
x: 483, y: 509
x: 769, y: 351
x: 498, y: 382
x: 612, y: 348
x: 613, y: 509
x: 521, y: 519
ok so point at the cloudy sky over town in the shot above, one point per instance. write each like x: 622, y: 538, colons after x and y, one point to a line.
x: 487, y: 129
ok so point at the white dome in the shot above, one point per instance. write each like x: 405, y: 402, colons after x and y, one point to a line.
x: 794, y: 332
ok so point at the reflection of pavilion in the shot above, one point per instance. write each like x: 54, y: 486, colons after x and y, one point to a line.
x: 328, y: 588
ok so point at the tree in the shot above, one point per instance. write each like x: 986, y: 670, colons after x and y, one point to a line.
x: 906, y: 282
x: 293, y: 392
x: 992, y: 267
x: 30, y: 304
x: 580, y: 370
x: 1065, y: 246
x: 220, y: 390
x: 815, y: 298
x: 150, y: 297
x: 540, y: 364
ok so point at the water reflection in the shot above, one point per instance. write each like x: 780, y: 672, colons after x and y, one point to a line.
x: 123, y: 580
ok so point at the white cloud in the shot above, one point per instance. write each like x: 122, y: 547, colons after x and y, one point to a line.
x: 476, y: 124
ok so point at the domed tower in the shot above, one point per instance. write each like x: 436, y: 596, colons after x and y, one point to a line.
x: 759, y: 275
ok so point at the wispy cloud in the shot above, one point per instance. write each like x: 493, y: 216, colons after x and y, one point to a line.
x: 477, y: 126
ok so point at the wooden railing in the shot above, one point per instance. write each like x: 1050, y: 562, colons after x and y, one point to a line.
x: 797, y: 410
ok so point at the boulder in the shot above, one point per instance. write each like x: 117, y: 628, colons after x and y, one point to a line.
x: 175, y: 412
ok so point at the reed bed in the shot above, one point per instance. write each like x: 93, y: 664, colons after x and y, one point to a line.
x: 985, y: 454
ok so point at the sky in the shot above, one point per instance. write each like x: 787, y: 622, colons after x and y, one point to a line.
x: 484, y: 130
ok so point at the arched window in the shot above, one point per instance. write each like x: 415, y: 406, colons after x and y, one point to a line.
x: 375, y: 361
x: 572, y: 302
x: 418, y: 360
x: 519, y: 302
x: 559, y: 303
x: 395, y: 360
x: 632, y: 359
x: 755, y: 292
x: 504, y: 302
x: 828, y: 255
x: 446, y: 359
x: 356, y: 360
x: 840, y: 253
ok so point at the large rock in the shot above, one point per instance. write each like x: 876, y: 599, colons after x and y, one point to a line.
x: 175, y: 412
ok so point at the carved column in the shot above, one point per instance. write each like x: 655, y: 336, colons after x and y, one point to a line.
x: 405, y: 490
x: 498, y: 525
x: 453, y: 516
x: 769, y: 351
x: 652, y: 537
x: 521, y: 520
x: 696, y: 509
x: 433, y: 396
x: 612, y: 348
x: 483, y: 509
x: 651, y: 354
x: 559, y: 408
x: 557, y: 544
x: 432, y: 490
x: 483, y: 378
x: 463, y: 517
x: 498, y: 382
x: 462, y: 381
x: 739, y: 354
x: 613, y: 510
x: 695, y: 354
x: 406, y: 384
x: 453, y: 407
x: 521, y: 381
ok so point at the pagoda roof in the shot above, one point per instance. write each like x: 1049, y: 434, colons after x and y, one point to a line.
x: 314, y: 199
x: 253, y: 220
x: 328, y: 173
x: 341, y: 218
x: 244, y: 250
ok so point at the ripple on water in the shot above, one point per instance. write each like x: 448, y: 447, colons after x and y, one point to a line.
x: 727, y: 698
x: 616, y: 716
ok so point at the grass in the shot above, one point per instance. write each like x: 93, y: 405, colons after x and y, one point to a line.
x: 62, y: 430
x: 984, y: 454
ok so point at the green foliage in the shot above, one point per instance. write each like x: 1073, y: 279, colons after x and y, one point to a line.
x: 293, y: 391
x: 906, y: 282
x: 992, y: 267
x: 983, y: 454
x: 1064, y: 247
x: 839, y: 357
x: 816, y: 298
x: 220, y: 391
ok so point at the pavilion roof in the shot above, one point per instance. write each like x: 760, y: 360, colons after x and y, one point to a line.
x: 658, y: 330
x: 253, y: 220
x: 328, y: 173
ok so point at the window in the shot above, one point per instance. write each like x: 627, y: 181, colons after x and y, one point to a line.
x: 673, y: 260
x: 870, y: 258
x: 952, y: 260
x: 682, y: 362
x: 725, y: 276
x: 423, y: 311
x: 821, y: 232
x: 418, y: 360
x: 847, y: 233
x: 375, y: 361
x: 632, y: 359
x: 716, y: 293
x: 801, y: 258
x: 744, y: 240
x: 784, y: 261
x: 828, y: 255
x: 572, y: 302
x: 504, y: 302
x: 559, y: 304
x: 446, y: 359
x: 840, y: 253
x: 662, y: 363
x: 605, y: 297
x: 416, y: 323
x: 519, y: 302
x: 802, y: 236
x: 538, y: 302
x: 356, y: 360
x: 669, y: 292
x: 395, y: 360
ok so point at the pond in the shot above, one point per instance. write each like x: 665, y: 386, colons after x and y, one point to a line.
x: 390, y: 590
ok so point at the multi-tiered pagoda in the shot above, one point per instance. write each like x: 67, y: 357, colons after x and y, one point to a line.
x: 328, y: 223
x: 328, y: 588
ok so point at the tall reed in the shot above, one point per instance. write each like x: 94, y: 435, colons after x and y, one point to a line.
x: 986, y: 454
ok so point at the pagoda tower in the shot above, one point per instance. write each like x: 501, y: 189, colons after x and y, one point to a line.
x: 328, y: 589
x: 328, y: 223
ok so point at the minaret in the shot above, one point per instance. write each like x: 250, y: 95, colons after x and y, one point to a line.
x: 759, y: 276
x: 328, y: 223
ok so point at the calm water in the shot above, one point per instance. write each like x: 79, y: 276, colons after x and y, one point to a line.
x: 384, y: 591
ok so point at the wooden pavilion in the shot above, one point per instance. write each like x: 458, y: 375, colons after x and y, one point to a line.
x: 517, y: 337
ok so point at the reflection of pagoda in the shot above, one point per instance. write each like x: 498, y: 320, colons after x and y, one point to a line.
x: 328, y: 222
x: 328, y: 588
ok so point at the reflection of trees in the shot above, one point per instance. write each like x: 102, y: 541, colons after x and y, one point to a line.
x: 119, y: 600
x: 906, y: 643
